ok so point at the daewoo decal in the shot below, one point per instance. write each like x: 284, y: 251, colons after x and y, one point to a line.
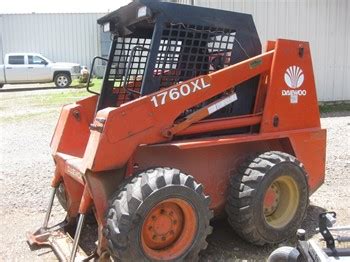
x: 294, y: 78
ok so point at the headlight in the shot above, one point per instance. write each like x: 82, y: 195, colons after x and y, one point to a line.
x: 107, y: 27
x: 143, y: 12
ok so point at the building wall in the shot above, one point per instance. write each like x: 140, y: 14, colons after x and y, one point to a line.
x: 59, y: 37
x: 324, y: 23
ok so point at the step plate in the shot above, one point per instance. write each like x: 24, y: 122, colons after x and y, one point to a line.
x: 60, y: 242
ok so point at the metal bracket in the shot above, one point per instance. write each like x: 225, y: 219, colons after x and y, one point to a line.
x: 324, y: 221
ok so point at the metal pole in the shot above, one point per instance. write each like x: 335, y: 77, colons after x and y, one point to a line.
x: 77, y: 236
x: 49, y: 208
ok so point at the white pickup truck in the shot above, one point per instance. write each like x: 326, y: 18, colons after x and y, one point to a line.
x: 21, y: 68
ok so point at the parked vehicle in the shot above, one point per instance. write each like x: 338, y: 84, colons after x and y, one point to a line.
x: 20, y: 68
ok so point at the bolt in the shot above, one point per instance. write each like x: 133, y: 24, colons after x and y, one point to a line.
x: 163, y: 238
x: 162, y: 211
x: 154, y: 237
x: 174, y: 222
x: 301, y: 234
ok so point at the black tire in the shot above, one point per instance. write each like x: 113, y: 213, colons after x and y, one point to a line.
x: 62, y: 80
x: 247, y: 213
x: 285, y: 254
x: 1, y: 85
x: 130, y: 208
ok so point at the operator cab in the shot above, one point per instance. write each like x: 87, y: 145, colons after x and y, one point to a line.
x: 158, y: 44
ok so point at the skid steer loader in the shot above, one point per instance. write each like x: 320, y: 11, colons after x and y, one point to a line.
x: 192, y: 121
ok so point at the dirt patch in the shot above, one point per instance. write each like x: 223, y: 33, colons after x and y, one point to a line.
x: 26, y: 169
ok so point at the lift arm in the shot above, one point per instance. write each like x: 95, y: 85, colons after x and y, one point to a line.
x: 150, y: 119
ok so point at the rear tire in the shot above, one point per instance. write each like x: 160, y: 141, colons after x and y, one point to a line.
x: 62, y: 80
x: 161, y: 214
x: 268, y: 198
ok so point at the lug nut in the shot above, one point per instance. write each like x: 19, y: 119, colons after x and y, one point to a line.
x: 154, y: 237
x: 163, y: 238
x: 174, y: 222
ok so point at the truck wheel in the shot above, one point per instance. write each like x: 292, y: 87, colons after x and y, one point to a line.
x: 62, y: 80
x: 268, y: 198
x: 1, y: 85
x: 161, y: 214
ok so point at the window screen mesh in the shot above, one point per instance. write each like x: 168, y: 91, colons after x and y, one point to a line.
x: 185, y: 51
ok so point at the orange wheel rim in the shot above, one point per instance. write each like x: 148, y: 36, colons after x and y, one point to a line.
x: 169, y: 229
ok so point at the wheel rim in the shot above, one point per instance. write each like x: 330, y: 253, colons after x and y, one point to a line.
x: 281, y: 201
x: 62, y: 81
x: 169, y: 229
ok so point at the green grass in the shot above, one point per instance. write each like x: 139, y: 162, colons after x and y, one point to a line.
x: 95, y: 84
x: 67, y: 96
x: 21, y: 106
x: 334, y: 107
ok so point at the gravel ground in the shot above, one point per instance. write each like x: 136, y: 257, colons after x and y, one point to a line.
x: 26, y: 169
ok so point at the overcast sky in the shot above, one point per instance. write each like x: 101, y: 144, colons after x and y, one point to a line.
x: 60, y: 6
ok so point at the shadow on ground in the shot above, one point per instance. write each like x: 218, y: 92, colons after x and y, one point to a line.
x: 225, y: 245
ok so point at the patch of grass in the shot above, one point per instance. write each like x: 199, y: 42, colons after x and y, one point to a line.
x: 95, y: 84
x: 59, y: 98
x: 53, y: 98
x: 334, y: 107
x: 28, y: 116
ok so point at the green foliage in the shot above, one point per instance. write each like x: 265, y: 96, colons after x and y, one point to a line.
x: 334, y: 107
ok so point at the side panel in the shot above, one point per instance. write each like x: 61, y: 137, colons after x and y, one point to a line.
x: 72, y: 131
x: 291, y: 95
x: 310, y: 149
x: 212, y: 166
x: 212, y: 163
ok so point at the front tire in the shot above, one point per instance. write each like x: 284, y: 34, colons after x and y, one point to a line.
x: 62, y: 80
x: 268, y: 198
x: 162, y: 214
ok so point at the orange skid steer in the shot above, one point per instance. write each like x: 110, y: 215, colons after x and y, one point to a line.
x: 192, y: 121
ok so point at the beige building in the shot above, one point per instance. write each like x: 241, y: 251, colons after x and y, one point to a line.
x: 324, y: 23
